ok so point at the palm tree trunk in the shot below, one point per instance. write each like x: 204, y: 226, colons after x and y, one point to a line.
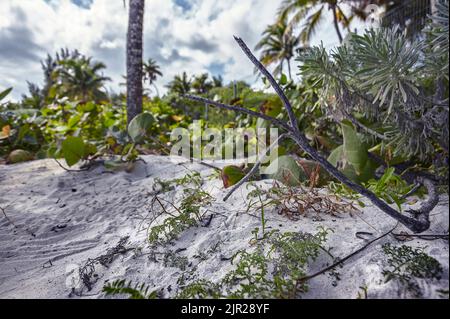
x: 336, y: 25
x: 289, y: 68
x: 134, y: 58
x: 156, y: 88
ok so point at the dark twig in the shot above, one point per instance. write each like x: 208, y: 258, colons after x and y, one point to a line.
x: 423, y: 213
x: 402, y: 235
x: 357, y: 123
x: 6, y: 216
x: 12, y: 223
x: 418, y: 223
x: 273, y: 82
x: 255, y: 167
x: 342, y: 260
x: 412, y: 191
x: 71, y: 170
x: 208, y: 221
x: 238, y: 109
x: 86, y: 272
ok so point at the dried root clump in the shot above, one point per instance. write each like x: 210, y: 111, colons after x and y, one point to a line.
x: 295, y: 202
x: 87, y: 273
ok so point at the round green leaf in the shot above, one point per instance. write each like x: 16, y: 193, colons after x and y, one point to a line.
x: 73, y: 150
x: 284, y: 169
x: 139, y: 126
x: 231, y: 174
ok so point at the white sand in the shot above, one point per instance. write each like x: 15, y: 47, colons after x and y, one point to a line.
x: 75, y: 216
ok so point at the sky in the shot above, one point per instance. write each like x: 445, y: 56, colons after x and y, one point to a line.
x: 195, y: 36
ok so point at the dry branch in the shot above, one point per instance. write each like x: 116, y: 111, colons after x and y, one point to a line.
x: 419, y: 221
x: 342, y: 260
x: 255, y: 167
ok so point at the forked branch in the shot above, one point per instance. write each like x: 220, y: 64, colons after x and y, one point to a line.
x: 418, y: 222
x: 255, y: 167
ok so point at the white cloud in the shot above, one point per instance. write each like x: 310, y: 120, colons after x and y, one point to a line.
x: 180, y: 39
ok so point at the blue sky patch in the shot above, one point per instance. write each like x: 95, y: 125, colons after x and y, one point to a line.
x: 184, y: 4
x: 83, y: 3
x: 217, y: 68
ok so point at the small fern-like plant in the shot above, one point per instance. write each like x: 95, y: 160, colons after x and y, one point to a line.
x: 272, y: 270
x: 133, y: 291
x: 180, y: 219
x: 406, y: 264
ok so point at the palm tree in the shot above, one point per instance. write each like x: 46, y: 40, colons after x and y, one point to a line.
x: 180, y: 84
x: 278, y: 44
x: 35, y: 99
x: 217, y: 81
x: 134, y: 58
x: 50, y: 66
x: 313, y: 12
x: 79, y: 78
x: 151, y: 71
x: 201, y: 84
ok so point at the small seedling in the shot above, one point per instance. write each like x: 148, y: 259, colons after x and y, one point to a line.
x: 179, y: 218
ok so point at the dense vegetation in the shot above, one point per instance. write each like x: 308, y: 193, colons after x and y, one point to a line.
x: 393, y: 114
x: 375, y: 107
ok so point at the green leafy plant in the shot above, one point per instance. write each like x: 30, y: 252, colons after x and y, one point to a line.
x: 390, y: 187
x: 293, y: 172
x: 351, y: 157
x: 171, y: 259
x: 136, y: 291
x: 5, y: 93
x: 401, y: 103
x: 406, y: 264
x: 185, y: 216
x: 74, y: 149
x: 18, y: 156
x: 139, y: 126
x: 272, y: 270
x: 192, y: 178
x: 286, y: 170
x: 200, y: 289
x: 231, y: 174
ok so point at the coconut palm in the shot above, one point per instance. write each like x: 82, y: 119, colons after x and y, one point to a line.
x: 217, y: 81
x: 50, y: 66
x: 79, y: 78
x: 180, y: 84
x: 201, y: 84
x: 151, y: 71
x: 312, y: 12
x: 134, y: 58
x: 278, y: 46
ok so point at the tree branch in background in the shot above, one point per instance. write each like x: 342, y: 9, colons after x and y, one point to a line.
x: 238, y: 109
